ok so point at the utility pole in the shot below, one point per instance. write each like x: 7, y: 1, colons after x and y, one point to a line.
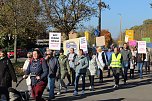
x: 100, y: 8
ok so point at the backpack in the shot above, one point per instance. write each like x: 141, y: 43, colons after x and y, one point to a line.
x: 41, y: 59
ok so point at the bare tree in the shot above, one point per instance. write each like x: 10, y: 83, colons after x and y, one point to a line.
x: 66, y: 15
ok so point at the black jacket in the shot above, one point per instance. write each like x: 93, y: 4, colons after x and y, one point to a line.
x: 7, y: 73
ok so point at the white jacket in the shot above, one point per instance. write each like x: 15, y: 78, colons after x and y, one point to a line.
x: 93, y: 65
x: 26, y: 63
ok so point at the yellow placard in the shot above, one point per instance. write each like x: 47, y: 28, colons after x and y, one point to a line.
x: 87, y: 35
x: 130, y: 34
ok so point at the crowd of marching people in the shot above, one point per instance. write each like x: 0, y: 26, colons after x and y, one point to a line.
x: 43, y: 71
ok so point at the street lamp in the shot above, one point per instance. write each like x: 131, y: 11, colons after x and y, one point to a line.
x: 121, y: 36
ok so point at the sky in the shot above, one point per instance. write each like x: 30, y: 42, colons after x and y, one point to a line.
x: 133, y: 12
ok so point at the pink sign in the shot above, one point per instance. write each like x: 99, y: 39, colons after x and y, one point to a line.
x: 132, y: 43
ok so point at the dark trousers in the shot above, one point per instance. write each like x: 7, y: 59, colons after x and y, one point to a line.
x: 71, y: 77
x: 77, y: 82
x: 125, y: 74
x: 37, y: 91
x: 100, y: 75
x: 147, y: 66
x: 91, y: 79
x: 131, y: 73
x: 116, y: 73
x: 109, y: 72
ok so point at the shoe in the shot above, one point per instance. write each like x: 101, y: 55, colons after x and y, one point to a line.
x: 125, y: 82
x: 75, y: 93
x: 82, y: 93
x: 115, y: 86
x: 66, y: 89
x: 58, y: 93
x: 100, y: 81
x: 90, y: 88
x: 48, y: 90
x: 68, y: 84
x: 50, y: 98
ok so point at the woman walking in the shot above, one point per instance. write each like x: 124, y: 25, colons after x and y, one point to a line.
x: 92, y: 69
x: 26, y: 63
x: 38, y: 72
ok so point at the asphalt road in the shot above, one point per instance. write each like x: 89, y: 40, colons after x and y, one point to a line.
x: 135, y: 90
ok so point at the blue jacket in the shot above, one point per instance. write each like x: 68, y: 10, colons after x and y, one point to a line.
x: 37, y: 68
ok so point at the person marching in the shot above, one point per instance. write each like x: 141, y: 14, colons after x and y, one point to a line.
x: 64, y: 70
x: 81, y: 64
x: 126, y: 54
x: 101, y: 62
x: 26, y: 63
x: 54, y: 73
x: 71, y: 57
x: 92, y: 69
x: 38, y: 71
x: 132, y: 67
x: 116, y: 64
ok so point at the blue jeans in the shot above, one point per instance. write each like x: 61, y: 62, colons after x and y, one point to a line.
x: 140, y: 66
x: 77, y: 82
x: 125, y: 65
x: 51, y: 84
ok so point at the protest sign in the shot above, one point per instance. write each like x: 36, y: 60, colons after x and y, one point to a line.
x: 141, y: 46
x: 54, y: 41
x: 83, y: 44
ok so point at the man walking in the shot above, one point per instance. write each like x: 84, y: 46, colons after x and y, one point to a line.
x: 126, y: 56
x: 116, y: 64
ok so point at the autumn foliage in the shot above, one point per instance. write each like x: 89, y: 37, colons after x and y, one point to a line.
x: 108, y: 37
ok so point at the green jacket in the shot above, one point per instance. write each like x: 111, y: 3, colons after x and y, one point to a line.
x: 64, y: 64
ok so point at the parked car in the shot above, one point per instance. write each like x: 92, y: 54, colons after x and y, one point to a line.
x: 20, y: 53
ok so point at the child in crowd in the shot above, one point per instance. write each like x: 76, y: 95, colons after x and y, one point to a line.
x: 132, y: 67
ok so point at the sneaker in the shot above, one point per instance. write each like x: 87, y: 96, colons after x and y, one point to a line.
x: 50, y: 98
x: 115, y: 86
x: 82, y: 92
x: 66, y: 89
x: 100, y: 81
x: 58, y: 93
x: 68, y: 84
x: 75, y: 93
x: 90, y: 88
x: 48, y: 89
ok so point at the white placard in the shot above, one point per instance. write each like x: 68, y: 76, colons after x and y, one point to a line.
x: 54, y: 41
x: 83, y: 44
x: 126, y: 38
x: 141, y: 46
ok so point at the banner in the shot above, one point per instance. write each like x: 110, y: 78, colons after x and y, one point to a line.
x: 146, y: 39
x: 132, y: 43
x: 54, y: 41
x: 141, y: 46
x: 130, y: 34
x: 100, y: 41
x: 72, y: 43
x: 83, y: 44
